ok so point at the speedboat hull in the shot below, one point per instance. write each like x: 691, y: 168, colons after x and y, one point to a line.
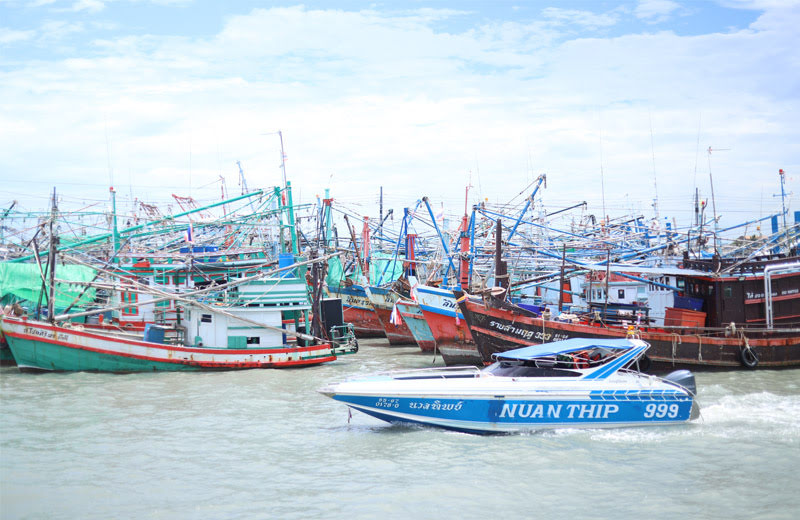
x: 574, y: 384
x: 498, y: 414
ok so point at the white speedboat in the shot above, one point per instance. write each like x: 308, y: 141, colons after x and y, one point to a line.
x: 576, y: 383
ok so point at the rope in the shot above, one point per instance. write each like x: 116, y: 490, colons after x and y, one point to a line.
x: 675, y: 340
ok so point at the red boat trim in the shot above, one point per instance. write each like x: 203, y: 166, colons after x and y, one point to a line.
x: 174, y: 361
x: 196, y: 350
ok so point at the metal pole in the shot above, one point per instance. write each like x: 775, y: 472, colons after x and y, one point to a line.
x: 51, y: 260
x: 561, y: 279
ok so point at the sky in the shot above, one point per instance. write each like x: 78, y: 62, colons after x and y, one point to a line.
x: 616, y: 102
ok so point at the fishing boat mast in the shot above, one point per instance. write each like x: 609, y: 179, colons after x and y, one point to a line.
x: 51, y: 261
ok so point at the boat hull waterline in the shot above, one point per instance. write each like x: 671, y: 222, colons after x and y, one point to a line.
x: 518, y: 415
x: 43, y: 347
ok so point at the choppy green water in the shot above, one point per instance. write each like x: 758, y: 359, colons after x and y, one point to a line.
x: 264, y: 444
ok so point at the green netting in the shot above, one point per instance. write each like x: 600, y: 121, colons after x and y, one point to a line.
x: 24, y: 282
x: 382, y: 268
x: 335, y: 272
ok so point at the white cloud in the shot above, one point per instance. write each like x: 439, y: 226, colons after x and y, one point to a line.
x: 759, y: 5
x: 91, y: 6
x: 12, y: 36
x: 655, y: 11
x: 55, y: 30
x: 583, y: 18
x: 382, y: 99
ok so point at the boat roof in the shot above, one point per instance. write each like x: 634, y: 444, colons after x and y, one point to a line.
x: 568, y: 345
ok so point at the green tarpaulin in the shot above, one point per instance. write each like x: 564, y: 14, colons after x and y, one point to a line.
x: 382, y: 269
x: 24, y: 282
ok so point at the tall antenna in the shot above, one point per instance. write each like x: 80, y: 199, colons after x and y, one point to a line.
x: 283, y: 159
x: 713, y: 201
x: 108, y: 156
x: 190, y: 163
x: 655, y: 184
x: 694, y: 180
x: 283, y: 156
x: 697, y: 149
x: 783, y: 196
x: 602, y: 177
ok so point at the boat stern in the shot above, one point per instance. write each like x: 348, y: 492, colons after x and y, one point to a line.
x: 695, y: 413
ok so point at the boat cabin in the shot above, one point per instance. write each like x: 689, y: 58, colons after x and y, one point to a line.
x: 278, y: 303
x: 739, y: 295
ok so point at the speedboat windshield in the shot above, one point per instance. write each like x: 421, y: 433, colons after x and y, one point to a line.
x: 527, y: 369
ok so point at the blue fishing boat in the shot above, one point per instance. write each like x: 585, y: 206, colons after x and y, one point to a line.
x: 576, y: 383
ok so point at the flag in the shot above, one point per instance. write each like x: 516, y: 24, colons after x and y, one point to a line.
x: 395, y: 318
x: 190, y: 234
x: 458, y: 321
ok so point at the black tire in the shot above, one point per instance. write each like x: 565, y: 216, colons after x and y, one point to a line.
x: 748, y: 357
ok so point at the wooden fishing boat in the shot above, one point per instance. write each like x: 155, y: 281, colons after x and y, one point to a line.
x: 42, y: 346
x: 451, y: 333
x: 6, y: 357
x: 415, y: 320
x: 251, y: 323
x: 383, y: 300
x: 757, y: 295
x: 358, y: 310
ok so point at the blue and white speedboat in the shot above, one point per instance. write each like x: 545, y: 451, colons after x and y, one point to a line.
x: 576, y: 383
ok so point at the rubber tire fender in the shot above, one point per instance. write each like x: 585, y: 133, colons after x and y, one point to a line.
x: 748, y: 357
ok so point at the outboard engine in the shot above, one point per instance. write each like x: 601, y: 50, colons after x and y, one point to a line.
x: 683, y: 378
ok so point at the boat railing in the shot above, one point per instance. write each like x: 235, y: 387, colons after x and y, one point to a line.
x: 432, y: 372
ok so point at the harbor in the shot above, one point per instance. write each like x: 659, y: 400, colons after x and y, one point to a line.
x: 266, y: 444
x: 399, y: 260
x: 179, y: 345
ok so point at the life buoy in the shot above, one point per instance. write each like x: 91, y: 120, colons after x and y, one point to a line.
x: 748, y: 357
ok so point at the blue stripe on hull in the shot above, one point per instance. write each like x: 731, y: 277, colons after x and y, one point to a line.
x: 520, y: 414
x: 443, y: 312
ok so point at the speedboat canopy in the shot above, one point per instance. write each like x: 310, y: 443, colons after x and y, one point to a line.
x: 567, y: 346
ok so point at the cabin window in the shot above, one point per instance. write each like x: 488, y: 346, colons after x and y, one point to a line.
x: 728, y: 291
x: 254, y: 340
x: 621, y: 293
x: 710, y: 290
x: 680, y: 283
x: 205, y: 318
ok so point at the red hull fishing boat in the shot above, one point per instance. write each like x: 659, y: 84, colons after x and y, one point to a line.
x: 748, y: 318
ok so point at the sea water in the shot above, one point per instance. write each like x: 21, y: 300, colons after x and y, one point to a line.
x: 264, y: 444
